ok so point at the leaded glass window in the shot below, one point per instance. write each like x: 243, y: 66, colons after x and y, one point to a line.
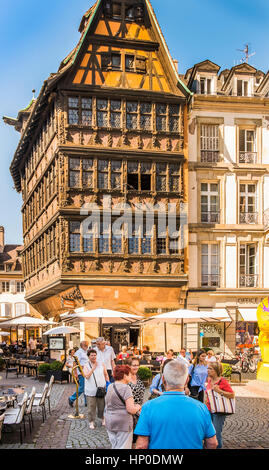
x: 102, y: 113
x: 74, y: 172
x: 115, y: 114
x: 161, y: 118
x: 103, y: 174
x: 145, y: 116
x: 87, y: 172
x: 74, y: 236
x: 174, y: 177
x: 161, y: 177
x: 132, y: 114
x: 174, y: 110
x: 73, y: 110
x: 116, y: 166
x: 86, y: 104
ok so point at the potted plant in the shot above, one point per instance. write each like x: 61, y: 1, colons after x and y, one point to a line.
x: 56, y: 369
x: 42, y: 371
x: 145, y: 374
x: 227, y: 370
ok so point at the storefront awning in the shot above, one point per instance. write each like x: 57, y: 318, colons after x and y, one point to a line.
x: 248, y: 314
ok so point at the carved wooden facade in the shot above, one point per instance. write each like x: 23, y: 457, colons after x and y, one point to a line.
x: 109, y: 124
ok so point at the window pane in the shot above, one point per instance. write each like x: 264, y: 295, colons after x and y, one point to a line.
x: 86, y: 118
x: 131, y: 121
x: 145, y: 122
x: 132, y: 106
x: 86, y: 103
x: 161, y: 183
x: 102, y: 119
x: 74, y: 179
x: 102, y: 181
x: 74, y: 242
x: 73, y: 116
x: 115, y: 120
x: 88, y: 179
x: 133, y: 245
x: 73, y: 102
x: 87, y: 164
x: 74, y: 163
x: 88, y: 244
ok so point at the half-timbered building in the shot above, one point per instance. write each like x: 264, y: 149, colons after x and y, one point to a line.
x: 106, y: 131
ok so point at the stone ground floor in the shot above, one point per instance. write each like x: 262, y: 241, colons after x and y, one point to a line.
x: 247, y: 429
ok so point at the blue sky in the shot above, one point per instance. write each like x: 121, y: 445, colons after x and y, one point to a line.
x: 36, y: 36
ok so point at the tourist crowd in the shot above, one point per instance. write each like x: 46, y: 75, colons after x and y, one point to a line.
x: 187, y: 407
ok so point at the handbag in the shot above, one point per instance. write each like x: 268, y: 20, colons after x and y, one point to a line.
x: 220, y: 404
x: 117, y: 392
x: 101, y: 391
x: 193, y: 389
x: 155, y: 395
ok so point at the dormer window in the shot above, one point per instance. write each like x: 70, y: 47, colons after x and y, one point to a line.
x: 205, y: 86
x: 242, y: 88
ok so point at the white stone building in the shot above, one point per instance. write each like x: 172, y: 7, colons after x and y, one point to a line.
x: 228, y: 200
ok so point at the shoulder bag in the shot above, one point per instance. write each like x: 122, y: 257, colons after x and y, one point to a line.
x: 194, y: 390
x: 220, y: 404
x: 101, y: 391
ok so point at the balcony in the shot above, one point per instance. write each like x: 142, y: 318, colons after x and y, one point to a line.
x: 248, y: 218
x: 210, y: 280
x: 247, y: 157
x: 210, y: 217
x: 249, y: 280
x: 210, y: 156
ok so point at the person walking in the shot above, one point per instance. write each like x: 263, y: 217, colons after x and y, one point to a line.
x: 106, y: 355
x: 96, y: 377
x: 81, y: 354
x: 221, y: 386
x: 198, y: 376
x: 174, y: 420
x: 120, y: 408
x: 70, y: 362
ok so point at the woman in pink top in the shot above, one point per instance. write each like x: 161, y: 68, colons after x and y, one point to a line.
x: 220, y: 385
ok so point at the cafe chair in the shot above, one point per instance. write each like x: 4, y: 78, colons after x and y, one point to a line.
x: 10, y: 368
x: 41, y: 402
x: 39, y: 395
x: 2, y: 417
x: 15, y: 417
x: 29, y: 409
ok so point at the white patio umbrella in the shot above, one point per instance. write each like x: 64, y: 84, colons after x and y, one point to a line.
x: 4, y: 333
x: 182, y: 316
x: 101, y: 314
x: 62, y: 330
x: 26, y: 321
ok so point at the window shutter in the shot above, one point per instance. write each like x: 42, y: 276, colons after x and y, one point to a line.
x: 242, y: 140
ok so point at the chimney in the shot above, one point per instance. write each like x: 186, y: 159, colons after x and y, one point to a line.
x: 2, y: 239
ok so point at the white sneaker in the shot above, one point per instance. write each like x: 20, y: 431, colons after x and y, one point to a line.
x: 91, y: 426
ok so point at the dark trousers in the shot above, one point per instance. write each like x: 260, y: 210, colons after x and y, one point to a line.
x: 110, y: 375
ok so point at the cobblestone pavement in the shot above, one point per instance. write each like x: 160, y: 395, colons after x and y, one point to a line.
x: 247, y: 429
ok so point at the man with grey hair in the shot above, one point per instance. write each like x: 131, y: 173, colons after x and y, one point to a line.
x: 174, y: 420
x: 105, y: 355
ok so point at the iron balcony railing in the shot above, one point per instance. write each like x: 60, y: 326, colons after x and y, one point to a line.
x: 210, y: 217
x: 210, y: 156
x: 249, y: 280
x: 247, y: 157
x: 248, y: 217
x: 210, y: 280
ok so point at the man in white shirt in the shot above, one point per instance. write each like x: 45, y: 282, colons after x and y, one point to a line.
x: 106, y: 355
x: 32, y: 346
x: 81, y: 354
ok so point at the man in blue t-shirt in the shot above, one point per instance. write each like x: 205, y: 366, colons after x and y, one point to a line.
x: 174, y: 420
